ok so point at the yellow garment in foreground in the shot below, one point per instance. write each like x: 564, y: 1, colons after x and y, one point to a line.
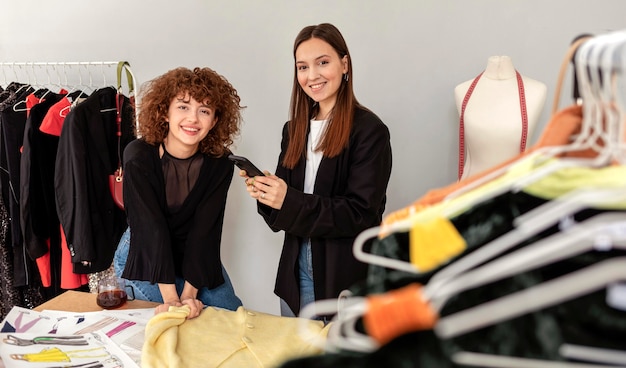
x: 224, y: 338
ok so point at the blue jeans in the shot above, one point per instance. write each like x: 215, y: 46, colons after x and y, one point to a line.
x: 222, y: 296
x: 307, y: 292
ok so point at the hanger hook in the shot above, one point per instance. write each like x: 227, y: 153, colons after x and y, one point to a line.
x: 34, y: 72
x: 14, y: 67
x: 104, y: 77
x: 46, y: 67
x: 56, y: 69
x: 4, y: 75
x: 90, y: 76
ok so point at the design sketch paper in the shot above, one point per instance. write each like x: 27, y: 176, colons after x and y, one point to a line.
x: 97, y: 351
x: 124, y: 328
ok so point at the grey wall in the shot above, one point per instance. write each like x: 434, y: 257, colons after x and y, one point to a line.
x: 407, y: 56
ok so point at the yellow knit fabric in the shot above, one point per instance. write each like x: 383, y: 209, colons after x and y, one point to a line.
x: 434, y: 242
x: 223, y: 338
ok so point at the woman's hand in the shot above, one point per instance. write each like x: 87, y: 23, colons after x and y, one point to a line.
x: 187, y: 297
x: 166, y: 306
x: 195, y: 307
x: 269, y: 189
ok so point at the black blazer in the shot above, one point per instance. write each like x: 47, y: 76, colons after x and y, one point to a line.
x: 86, y: 156
x: 349, y: 197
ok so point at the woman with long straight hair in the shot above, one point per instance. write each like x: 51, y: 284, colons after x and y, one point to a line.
x: 332, y: 175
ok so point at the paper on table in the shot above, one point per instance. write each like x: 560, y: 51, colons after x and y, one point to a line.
x: 98, y: 349
x: 125, y: 328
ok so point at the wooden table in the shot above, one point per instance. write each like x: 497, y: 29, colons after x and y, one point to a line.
x: 80, y: 301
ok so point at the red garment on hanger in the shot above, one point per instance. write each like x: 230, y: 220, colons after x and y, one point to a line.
x: 53, y: 121
x: 52, y: 124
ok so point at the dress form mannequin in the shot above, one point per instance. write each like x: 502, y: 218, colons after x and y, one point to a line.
x: 492, y: 119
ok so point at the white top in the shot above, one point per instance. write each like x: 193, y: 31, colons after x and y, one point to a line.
x: 313, y: 158
x: 493, y: 118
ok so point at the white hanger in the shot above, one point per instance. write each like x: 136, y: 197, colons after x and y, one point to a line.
x: 25, y: 86
x: 544, y: 295
x: 498, y: 361
x: 17, y: 106
x: 593, y: 354
x: 361, y: 255
x: 5, y: 80
x: 613, y: 66
x: 599, y: 232
x: 529, y: 224
x: 347, y: 310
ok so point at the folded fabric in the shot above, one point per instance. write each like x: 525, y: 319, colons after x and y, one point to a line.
x: 224, y: 338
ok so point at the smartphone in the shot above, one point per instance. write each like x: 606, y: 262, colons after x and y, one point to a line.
x: 245, y: 164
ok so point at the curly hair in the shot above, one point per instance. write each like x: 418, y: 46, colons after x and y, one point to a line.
x: 204, y: 85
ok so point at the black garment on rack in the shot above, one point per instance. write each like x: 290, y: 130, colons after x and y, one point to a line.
x: 86, y: 156
x: 28, y: 296
x: 12, y: 131
x: 38, y: 218
x: 14, y: 263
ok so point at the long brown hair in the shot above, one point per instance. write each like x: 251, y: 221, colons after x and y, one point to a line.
x: 302, y: 107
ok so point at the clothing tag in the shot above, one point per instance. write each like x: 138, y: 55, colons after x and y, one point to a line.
x: 616, y: 295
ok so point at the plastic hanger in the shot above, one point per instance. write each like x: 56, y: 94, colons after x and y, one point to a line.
x: 373, y: 259
x: 544, y: 295
x: 603, y: 231
x: 465, y: 358
x: 525, y: 225
x: 593, y: 354
x: 79, y: 87
x: 5, y: 80
x: 613, y: 67
x: 20, y: 106
x: 529, y: 224
x: 347, y: 310
x: 25, y: 86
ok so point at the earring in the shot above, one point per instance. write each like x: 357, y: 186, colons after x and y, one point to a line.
x: 346, y: 77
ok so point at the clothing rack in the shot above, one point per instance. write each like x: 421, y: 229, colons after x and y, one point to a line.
x: 30, y: 69
x: 32, y: 72
x: 66, y: 74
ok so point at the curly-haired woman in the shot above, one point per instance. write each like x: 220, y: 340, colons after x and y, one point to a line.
x: 176, y: 179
